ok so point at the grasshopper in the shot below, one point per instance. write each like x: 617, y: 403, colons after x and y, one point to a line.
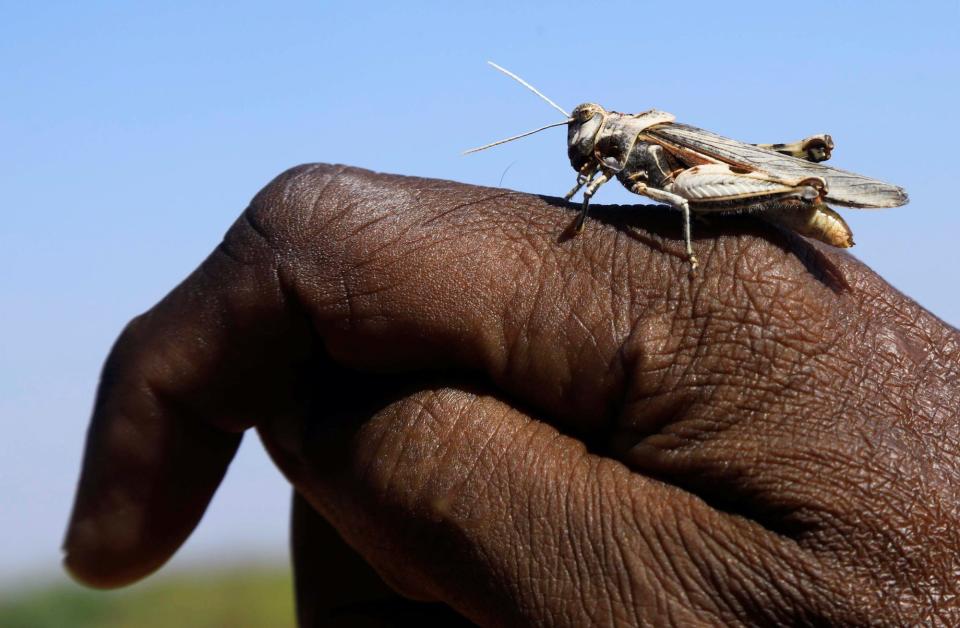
x: 697, y: 171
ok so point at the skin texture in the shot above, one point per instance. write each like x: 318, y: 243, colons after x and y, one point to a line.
x: 539, y: 429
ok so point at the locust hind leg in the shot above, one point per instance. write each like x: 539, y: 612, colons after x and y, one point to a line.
x: 798, y: 205
x: 718, y: 188
x: 678, y: 202
x: 815, y: 148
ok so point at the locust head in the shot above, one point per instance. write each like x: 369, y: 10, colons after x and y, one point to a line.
x: 585, y: 123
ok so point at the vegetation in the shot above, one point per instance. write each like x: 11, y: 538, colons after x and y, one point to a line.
x: 240, y: 597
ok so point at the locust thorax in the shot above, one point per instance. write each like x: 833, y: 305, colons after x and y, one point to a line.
x: 582, y: 133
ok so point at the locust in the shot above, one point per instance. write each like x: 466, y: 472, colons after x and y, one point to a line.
x: 700, y: 172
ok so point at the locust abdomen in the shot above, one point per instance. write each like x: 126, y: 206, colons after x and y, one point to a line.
x: 814, y: 221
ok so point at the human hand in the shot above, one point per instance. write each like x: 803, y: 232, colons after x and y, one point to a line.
x: 538, y: 431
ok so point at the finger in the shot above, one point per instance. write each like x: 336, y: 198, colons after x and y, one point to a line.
x: 179, y: 385
x: 145, y: 484
x: 396, y: 273
x: 455, y: 496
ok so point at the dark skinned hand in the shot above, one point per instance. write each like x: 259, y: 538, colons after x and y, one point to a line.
x: 542, y: 430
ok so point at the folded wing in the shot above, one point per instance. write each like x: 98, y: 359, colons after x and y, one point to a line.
x: 843, y: 188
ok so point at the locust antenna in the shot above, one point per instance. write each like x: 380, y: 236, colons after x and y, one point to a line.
x: 515, y: 137
x: 530, y: 87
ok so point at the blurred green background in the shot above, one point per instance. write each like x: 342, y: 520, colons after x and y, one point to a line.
x: 240, y: 596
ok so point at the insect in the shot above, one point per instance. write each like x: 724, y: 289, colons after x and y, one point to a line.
x: 699, y: 172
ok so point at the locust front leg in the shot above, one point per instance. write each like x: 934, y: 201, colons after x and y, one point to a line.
x: 815, y: 148
x: 592, y: 188
x: 585, y: 176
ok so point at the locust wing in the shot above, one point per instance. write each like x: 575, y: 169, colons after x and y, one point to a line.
x: 843, y: 188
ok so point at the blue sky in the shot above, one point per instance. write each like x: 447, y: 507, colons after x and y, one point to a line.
x: 133, y: 136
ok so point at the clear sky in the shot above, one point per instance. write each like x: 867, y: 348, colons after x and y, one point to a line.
x: 132, y: 136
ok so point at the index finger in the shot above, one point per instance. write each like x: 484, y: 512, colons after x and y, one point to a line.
x: 383, y: 272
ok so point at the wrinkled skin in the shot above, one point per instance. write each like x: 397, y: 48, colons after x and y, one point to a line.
x: 534, y: 429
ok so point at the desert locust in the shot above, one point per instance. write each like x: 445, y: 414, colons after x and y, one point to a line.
x: 698, y: 171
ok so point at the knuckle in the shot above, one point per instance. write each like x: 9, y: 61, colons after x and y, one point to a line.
x: 320, y: 206
x: 281, y: 213
x: 316, y: 224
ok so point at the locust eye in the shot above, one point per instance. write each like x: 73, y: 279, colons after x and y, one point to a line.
x: 582, y: 134
x: 585, y: 111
